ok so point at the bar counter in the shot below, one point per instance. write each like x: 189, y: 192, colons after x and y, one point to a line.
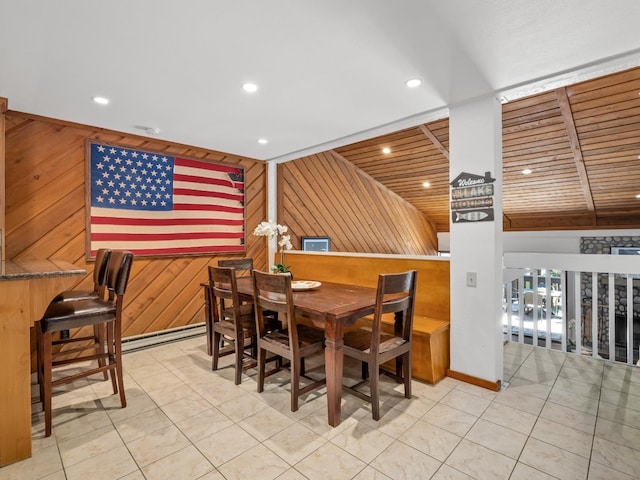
x: 26, y: 288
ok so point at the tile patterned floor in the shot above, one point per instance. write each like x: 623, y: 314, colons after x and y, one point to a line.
x: 562, y: 417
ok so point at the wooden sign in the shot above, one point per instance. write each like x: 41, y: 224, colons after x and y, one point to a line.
x: 472, y: 198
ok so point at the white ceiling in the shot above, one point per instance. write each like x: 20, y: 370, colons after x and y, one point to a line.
x: 330, y: 72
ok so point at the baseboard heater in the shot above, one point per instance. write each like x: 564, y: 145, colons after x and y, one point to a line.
x: 139, y: 342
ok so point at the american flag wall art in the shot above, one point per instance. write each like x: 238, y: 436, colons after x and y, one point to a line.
x: 156, y: 204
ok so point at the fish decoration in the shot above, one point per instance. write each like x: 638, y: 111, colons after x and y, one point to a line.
x: 471, y: 216
x: 478, y: 215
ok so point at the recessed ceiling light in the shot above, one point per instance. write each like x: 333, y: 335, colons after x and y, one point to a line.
x: 638, y: 195
x: 413, y: 82
x: 250, y: 87
x: 426, y: 184
x: 526, y: 171
x: 263, y: 141
x: 100, y: 100
x: 386, y: 150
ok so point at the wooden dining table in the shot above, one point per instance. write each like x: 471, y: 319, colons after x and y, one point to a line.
x: 331, y: 307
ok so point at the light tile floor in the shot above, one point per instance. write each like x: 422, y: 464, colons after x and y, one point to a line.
x: 562, y: 416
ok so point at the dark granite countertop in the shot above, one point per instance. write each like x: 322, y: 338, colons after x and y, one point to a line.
x: 27, y: 269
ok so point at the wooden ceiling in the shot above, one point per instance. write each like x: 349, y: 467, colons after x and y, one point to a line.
x: 582, y: 143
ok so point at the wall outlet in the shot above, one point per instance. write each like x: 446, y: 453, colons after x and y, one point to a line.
x: 472, y: 279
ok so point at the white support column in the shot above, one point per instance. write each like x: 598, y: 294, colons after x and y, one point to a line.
x: 475, y: 133
x: 272, y: 207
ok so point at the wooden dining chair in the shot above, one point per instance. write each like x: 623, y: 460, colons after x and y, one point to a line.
x: 395, y: 294
x: 232, y: 321
x: 243, y: 268
x: 272, y: 293
x: 106, y: 313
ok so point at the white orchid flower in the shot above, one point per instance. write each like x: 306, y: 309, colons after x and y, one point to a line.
x: 273, y: 230
x: 285, y: 242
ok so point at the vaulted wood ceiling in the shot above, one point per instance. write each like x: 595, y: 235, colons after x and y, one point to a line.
x: 582, y: 143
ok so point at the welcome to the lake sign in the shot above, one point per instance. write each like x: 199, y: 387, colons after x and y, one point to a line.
x: 472, y: 198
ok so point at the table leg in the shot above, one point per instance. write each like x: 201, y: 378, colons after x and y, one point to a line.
x: 334, y: 361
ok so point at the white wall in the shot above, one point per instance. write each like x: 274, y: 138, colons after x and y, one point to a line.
x: 553, y: 241
x: 475, y: 141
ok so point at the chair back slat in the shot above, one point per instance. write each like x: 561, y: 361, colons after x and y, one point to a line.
x: 243, y: 266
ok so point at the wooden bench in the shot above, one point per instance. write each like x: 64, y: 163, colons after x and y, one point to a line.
x: 430, y: 349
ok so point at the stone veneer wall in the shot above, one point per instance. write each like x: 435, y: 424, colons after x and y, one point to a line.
x: 602, y: 245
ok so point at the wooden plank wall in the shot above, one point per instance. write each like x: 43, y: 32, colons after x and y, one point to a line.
x: 45, y: 216
x: 325, y: 195
x: 417, y: 155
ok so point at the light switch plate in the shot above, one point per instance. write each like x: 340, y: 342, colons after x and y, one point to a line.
x: 472, y: 279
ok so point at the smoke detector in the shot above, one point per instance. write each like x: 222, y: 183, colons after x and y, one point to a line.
x: 148, y: 130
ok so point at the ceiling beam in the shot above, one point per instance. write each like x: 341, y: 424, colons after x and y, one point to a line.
x: 567, y: 116
x: 429, y: 134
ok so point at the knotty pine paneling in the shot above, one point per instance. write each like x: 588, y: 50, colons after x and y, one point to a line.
x: 45, y: 216
x: 324, y: 195
x: 414, y: 159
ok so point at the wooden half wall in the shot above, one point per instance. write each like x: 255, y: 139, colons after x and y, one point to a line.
x: 45, y: 216
x: 325, y: 195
